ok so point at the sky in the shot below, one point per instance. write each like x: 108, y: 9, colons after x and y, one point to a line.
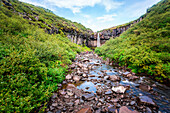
x: 97, y: 14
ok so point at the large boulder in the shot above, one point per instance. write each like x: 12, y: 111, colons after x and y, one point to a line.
x: 70, y: 86
x: 119, y: 89
x: 145, y: 100
x: 85, y: 110
x: 88, y: 96
x: 114, y: 78
x: 145, y: 87
x: 68, y: 77
x: 124, y: 109
x: 76, y: 78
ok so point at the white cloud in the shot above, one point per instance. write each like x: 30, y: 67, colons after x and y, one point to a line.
x: 74, y: 5
x: 77, y: 5
x: 110, y: 4
x: 107, y: 18
x: 86, y: 16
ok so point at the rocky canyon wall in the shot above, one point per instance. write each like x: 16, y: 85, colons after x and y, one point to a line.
x: 113, y: 32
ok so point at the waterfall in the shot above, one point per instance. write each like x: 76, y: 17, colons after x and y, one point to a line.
x: 98, y: 40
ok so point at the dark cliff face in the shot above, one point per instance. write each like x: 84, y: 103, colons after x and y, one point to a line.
x: 113, y: 32
x: 117, y: 30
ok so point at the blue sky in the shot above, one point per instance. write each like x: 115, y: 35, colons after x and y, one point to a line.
x: 97, y: 14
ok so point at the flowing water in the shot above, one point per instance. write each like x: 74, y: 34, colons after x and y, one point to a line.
x: 160, y: 94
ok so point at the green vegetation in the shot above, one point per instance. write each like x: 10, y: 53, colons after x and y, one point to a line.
x: 145, y: 47
x: 32, y: 62
x: 44, y: 17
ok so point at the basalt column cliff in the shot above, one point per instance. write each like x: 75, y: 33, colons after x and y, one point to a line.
x: 113, y: 32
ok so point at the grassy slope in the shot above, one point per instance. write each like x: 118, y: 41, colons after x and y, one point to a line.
x: 45, y: 17
x: 32, y: 62
x: 144, y: 48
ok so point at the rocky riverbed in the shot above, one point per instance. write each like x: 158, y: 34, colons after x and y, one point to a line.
x: 94, y: 86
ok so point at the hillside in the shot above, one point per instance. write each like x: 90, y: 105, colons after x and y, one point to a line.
x: 144, y: 47
x: 32, y: 62
x: 43, y: 18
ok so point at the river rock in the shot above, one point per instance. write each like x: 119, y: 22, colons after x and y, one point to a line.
x: 109, y: 92
x: 84, y: 75
x: 114, y: 78
x: 68, y: 77
x: 124, y: 109
x: 144, y: 87
x: 85, y: 110
x: 114, y: 100
x: 99, y: 91
x: 54, y: 104
x: 62, y: 92
x: 86, y: 60
x: 106, y: 77
x: 146, y: 101
x: 76, y: 78
x: 133, y: 77
x: 77, y: 102
x: 91, y: 75
x: 80, y: 65
x: 111, y: 109
x: 72, y: 66
x: 69, y: 92
x: 126, y: 73
x: 88, y: 96
x: 132, y: 103
x: 119, y: 89
x: 96, y: 64
x: 70, y: 86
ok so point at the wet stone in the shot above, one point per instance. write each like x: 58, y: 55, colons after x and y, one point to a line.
x: 126, y: 73
x: 85, y: 110
x: 88, y: 96
x: 146, y: 100
x: 76, y: 78
x: 124, y: 109
x: 144, y: 87
x: 114, y: 100
x: 68, y: 77
x: 109, y: 92
x: 114, y: 78
x: 132, y: 103
x: 62, y: 92
x: 119, y: 89
x: 54, y: 104
x: 69, y: 86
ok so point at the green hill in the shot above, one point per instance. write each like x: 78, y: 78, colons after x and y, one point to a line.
x: 32, y: 62
x: 144, y: 47
x: 42, y: 17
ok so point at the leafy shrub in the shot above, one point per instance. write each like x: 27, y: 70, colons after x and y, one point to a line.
x: 32, y: 63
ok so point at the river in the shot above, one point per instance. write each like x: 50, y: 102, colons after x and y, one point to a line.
x: 94, y: 86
